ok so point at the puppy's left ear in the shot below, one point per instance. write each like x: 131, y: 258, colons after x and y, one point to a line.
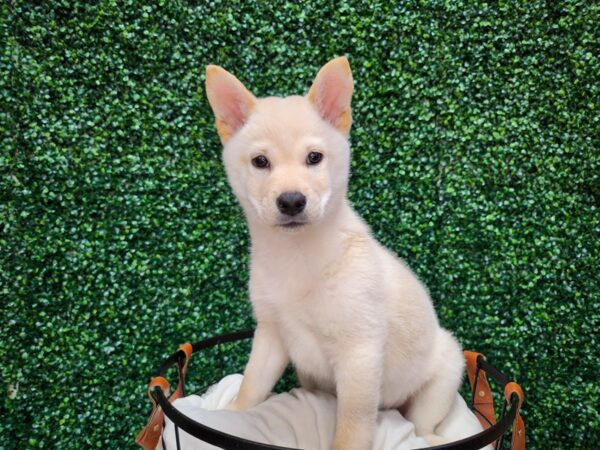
x: 331, y: 93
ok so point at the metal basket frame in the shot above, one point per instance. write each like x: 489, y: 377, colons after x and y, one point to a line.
x: 159, y: 393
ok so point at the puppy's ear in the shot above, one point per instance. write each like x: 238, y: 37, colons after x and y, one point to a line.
x: 230, y: 101
x: 331, y: 93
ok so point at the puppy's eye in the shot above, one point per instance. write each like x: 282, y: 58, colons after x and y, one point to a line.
x: 260, y: 162
x: 314, y: 158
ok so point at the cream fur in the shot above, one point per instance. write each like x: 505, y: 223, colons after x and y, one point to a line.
x: 352, y: 317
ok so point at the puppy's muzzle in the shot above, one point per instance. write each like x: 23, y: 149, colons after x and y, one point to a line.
x: 291, y: 203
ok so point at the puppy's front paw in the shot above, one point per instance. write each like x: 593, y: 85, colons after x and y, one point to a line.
x: 351, y: 443
x: 235, y: 405
x: 347, y: 446
x: 434, y: 439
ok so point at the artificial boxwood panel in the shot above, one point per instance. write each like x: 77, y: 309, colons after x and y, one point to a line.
x: 476, y: 158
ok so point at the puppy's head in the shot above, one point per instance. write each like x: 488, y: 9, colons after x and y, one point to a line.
x: 287, y: 159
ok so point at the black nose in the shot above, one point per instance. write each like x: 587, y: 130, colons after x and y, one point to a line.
x: 291, y: 203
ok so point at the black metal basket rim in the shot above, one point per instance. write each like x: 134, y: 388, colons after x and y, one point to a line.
x: 228, y: 441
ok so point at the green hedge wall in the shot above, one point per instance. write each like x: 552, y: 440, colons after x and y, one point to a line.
x: 476, y: 158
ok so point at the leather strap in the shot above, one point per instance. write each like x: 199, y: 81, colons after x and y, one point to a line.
x: 483, y: 402
x: 182, y: 369
x: 518, y: 434
x: 149, y: 436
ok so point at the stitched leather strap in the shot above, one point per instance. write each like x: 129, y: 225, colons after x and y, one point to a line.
x: 482, y: 394
x: 149, y: 436
x: 518, y: 434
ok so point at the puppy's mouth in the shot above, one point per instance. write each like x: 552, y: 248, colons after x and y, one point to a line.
x: 292, y: 224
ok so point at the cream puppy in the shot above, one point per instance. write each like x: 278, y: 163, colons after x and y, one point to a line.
x: 352, y: 317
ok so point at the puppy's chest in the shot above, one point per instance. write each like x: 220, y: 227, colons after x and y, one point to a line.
x: 289, y: 284
x: 302, y: 302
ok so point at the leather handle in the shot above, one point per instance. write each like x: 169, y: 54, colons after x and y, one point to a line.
x: 182, y: 370
x: 518, y: 434
x: 149, y: 436
x: 482, y: 397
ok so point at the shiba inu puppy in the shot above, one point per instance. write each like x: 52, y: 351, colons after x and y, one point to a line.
x: 352, y: 317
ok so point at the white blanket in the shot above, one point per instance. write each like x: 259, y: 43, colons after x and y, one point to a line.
x: 301, y: 419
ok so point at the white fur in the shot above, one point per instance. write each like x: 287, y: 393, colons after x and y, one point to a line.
x: 352, y: 317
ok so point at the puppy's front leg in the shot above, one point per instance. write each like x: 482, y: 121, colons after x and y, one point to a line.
x: 268, y: 360
x: 358, y: 385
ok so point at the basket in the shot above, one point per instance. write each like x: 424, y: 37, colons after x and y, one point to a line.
x: 495, y: 430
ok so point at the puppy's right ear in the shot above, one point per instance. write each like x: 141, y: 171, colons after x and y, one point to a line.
x: 230, y: 101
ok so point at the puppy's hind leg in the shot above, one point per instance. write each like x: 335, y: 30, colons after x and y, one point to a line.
x: 429, y: 405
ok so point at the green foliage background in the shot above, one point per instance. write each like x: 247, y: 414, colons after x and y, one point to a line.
x: 476, y: 158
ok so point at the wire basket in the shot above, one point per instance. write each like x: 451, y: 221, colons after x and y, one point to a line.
x: 496, y: 430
